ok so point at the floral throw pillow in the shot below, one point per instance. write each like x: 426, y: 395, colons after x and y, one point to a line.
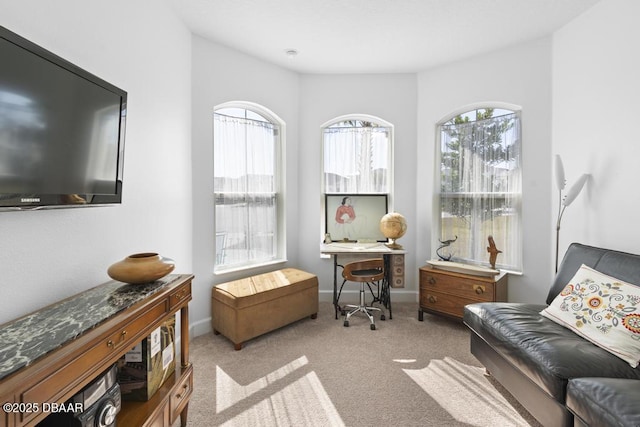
x: 602, y: 309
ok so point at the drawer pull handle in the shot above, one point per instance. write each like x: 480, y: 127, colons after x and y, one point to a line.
x: 432, y: 299
x: 112, y: 344
x: 181, y: 294
x: 479, y: 290
x: 184, y: 388
x: 432, y: 281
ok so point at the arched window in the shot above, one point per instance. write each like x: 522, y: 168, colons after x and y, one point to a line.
x: 357, y: 155
x: 249, y: 221
x: 357, y: 176
x: 480, y: 185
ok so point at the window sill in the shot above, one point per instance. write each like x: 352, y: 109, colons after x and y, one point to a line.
x: 222, y: 272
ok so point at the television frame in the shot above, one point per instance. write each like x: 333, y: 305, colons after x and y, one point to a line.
x: 31, y: 201
x: 369, y: 207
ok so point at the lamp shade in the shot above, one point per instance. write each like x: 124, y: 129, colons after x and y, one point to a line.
x: 560, y: 180
x: 575, y: 189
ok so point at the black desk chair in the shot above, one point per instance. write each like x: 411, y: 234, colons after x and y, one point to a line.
x: 368, y: 272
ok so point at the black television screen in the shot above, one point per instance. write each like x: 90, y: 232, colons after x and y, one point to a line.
x: 61, y: 131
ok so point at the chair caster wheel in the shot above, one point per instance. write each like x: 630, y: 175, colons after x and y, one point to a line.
x: 343, y: 313
x: 383, y: 317
x: 373, y: 327
x: 346, y: 323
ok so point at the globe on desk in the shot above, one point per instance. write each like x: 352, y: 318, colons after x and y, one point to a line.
x: 393, y: 226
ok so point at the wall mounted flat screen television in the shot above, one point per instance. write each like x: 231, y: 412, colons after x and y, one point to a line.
x: 61, y: 131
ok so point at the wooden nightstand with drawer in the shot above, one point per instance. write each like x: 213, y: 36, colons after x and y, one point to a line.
x: 446, y: 293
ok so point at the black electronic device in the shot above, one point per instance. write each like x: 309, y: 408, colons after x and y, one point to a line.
x: 96, y: 405
x: 61, y: 131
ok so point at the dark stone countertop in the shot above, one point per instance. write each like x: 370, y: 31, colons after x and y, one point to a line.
x: 24, y: 340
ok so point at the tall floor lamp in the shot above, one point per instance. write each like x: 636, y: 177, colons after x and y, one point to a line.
x: 565, y: 201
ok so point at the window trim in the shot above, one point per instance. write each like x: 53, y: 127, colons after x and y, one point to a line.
x: 368, y: 118
x: 281, y: 252
x: 437, y: 160
x: 362, y: 117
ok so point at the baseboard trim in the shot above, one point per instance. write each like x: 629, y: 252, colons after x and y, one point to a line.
x: 202, y: 327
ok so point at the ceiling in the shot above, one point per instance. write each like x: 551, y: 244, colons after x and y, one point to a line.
x: 373, y: 36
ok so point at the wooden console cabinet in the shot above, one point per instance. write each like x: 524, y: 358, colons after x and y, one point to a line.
x: 445, y: 292
x: 48, y: 356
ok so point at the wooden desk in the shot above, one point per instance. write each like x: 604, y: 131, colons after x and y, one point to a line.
x: 393, y: 259
x: 51, y: 354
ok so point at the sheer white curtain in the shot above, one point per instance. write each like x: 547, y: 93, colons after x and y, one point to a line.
x: 245, y: 186
x: 481, y: 189
x: 356, y: 159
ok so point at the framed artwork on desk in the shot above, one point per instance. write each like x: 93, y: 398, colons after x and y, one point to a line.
x: 354, y: 217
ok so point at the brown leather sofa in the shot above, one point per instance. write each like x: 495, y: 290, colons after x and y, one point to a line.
x: 559, y: 377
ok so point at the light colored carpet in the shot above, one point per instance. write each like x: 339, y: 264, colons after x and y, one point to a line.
x: 319, y: 373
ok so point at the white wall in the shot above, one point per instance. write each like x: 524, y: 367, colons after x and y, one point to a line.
x: 221, y: 75
x: 391, y: 97
x: 596, y: 104
x: 48, y: 255
x: 169, y: 75
x: 520, y: 75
